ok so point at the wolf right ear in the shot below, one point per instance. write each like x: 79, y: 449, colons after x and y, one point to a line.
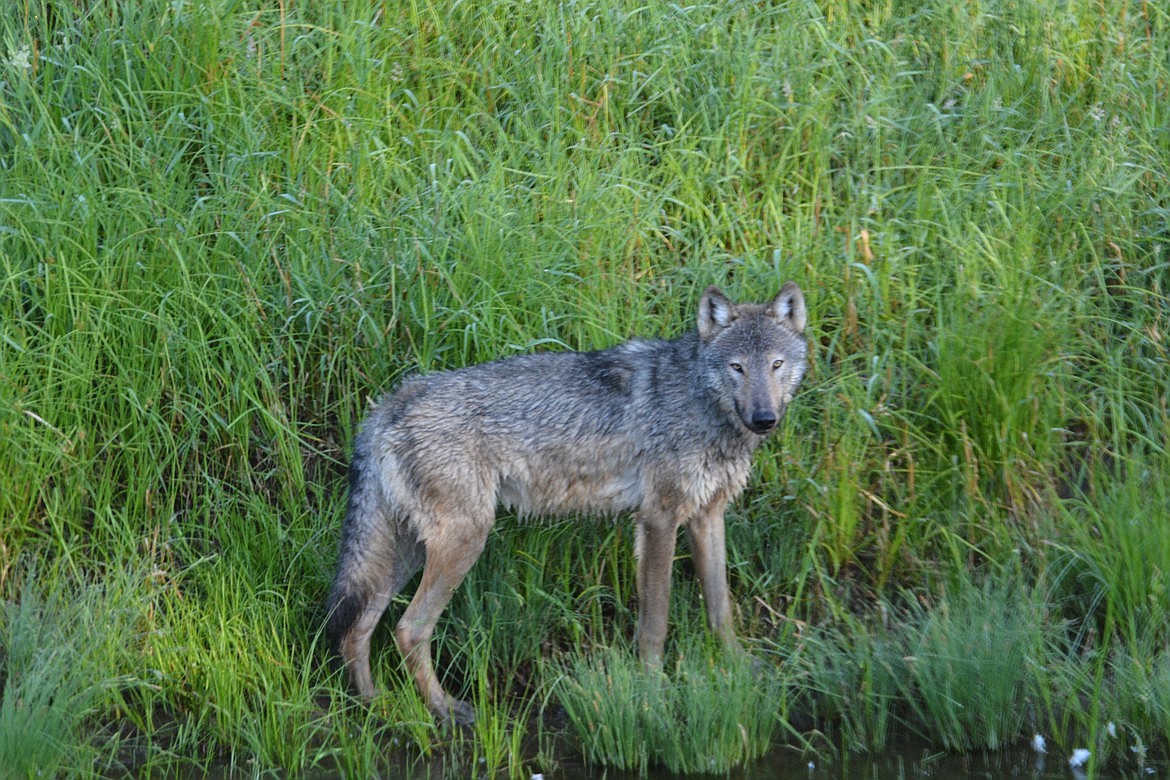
x: 788, y: 307
x: 716, y: 312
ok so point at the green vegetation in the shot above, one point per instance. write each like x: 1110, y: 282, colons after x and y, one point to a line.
x: 701, y: 717
x: 225, y: 226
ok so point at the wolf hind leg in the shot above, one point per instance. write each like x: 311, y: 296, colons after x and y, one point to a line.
x: 377, y: 560
x: 449, y: 557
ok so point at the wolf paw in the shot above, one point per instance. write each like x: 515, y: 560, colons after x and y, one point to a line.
x: 457, y: 713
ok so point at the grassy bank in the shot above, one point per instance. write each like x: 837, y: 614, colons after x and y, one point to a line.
x: 224, y: 228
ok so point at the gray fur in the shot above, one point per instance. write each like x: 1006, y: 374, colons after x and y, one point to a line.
x: 665, y: 429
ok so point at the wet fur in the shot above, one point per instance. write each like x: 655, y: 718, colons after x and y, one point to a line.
x: 663, y: 428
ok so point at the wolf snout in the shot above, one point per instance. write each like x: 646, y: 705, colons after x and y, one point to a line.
x: 762, y: 422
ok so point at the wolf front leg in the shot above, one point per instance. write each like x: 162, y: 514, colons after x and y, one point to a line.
x: 709, y: 552
x: 654, y: 544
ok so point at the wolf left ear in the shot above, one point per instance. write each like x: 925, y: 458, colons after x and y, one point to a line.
x: 716, y: 312
x: 788, y: 307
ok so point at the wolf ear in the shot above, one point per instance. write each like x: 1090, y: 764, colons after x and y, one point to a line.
x: 716, y: 312
x: 788, y: 307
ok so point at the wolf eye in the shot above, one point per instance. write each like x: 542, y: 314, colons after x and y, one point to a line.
x: 736, y: 367
x: 777, y: 363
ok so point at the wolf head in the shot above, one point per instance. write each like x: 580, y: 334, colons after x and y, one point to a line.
x: 754, y: 355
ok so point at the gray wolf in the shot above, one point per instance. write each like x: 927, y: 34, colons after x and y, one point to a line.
x: 665, y: 429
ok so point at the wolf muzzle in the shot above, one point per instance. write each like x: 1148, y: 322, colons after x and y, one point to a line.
x: 763, y: 420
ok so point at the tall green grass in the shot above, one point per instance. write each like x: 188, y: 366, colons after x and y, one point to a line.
x: 224, y: 228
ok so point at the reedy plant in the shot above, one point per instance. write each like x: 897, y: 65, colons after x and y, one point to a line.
x: 852, y: 681
x: 68, y: 651
x: 706, y: 713
x: 966, y: 670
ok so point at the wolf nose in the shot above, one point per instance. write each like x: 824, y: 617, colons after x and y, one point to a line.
x: 762, y: 422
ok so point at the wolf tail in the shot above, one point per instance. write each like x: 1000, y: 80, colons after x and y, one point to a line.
x: 379, y: 553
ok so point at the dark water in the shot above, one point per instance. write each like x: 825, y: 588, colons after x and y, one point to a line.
x: 906, y: 762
